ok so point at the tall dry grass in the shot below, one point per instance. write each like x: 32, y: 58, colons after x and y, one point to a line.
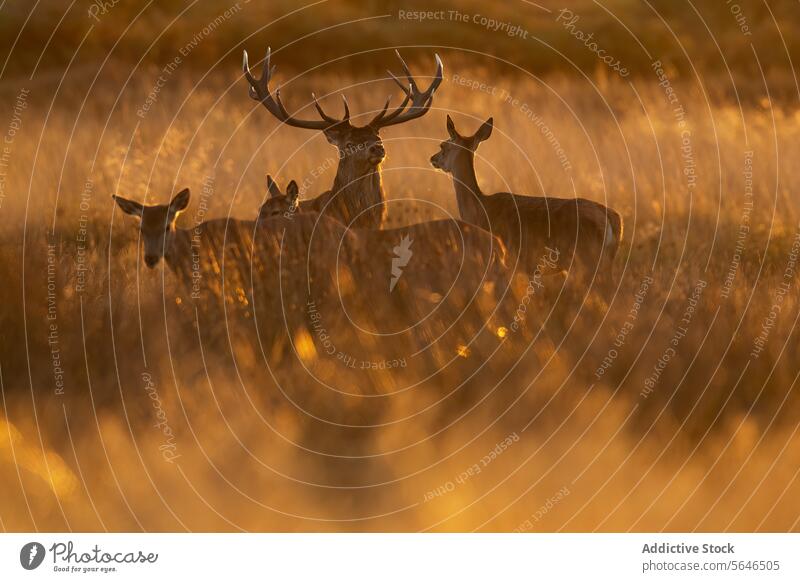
x: 264, y: 444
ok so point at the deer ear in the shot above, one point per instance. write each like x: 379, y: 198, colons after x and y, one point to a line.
x: 451, y: 128
x: 292, y: 191
x: 180, y: 201
x: 128, y: 206
x: 484, y: 131
x: 272, y: 187
x: 334, y: 134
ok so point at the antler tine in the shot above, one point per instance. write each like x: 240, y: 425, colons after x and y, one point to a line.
x: 259, y: 90
x: 381, y: 113
x: 398, y: 110
x: 266, y: 74
x: 322, y: 114
x: 346, y: 109
x: 279, y: 102
x: 407, y: 71
x: 258, y: 87
x: 406, y: 90
x: 437, y: 76
x: 439, y: 72
x: 249, y: 76
x: 420, y: 101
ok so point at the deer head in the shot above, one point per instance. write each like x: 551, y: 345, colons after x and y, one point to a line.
x: 459, y: 149
x: 156, y: 223
x: 278, y: 203
x: 360, y: 148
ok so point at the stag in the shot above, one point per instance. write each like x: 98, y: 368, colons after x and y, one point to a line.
x: 357, y: 191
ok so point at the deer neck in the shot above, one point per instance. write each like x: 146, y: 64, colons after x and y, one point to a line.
x: 178, y: 247
x: 468, y: 193
x: 360, y: 194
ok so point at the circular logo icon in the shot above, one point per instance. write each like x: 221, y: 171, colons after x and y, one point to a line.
x: 31, y: 555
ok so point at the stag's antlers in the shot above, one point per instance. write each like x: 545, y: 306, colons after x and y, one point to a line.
x: 259, y: 90
x: 420, y: 101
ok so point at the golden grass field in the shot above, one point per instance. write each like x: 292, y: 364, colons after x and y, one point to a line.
x: 709, y: 443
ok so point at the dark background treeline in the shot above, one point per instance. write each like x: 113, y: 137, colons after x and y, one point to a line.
x: 706, y: 37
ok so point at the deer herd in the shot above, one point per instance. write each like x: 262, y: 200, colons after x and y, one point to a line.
x: 341, y: 231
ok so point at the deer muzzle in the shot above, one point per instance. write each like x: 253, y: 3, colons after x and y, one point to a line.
x: 376, y: 153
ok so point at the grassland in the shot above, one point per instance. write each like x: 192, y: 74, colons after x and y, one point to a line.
x: 672, y: 407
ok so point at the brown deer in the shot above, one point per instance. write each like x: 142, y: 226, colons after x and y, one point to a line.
x: 160, y: 238
x: 199, y: 256
x: 278, y: 203
x: 427, y: 261
x: 580, y: 232
x: 357, y: 191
